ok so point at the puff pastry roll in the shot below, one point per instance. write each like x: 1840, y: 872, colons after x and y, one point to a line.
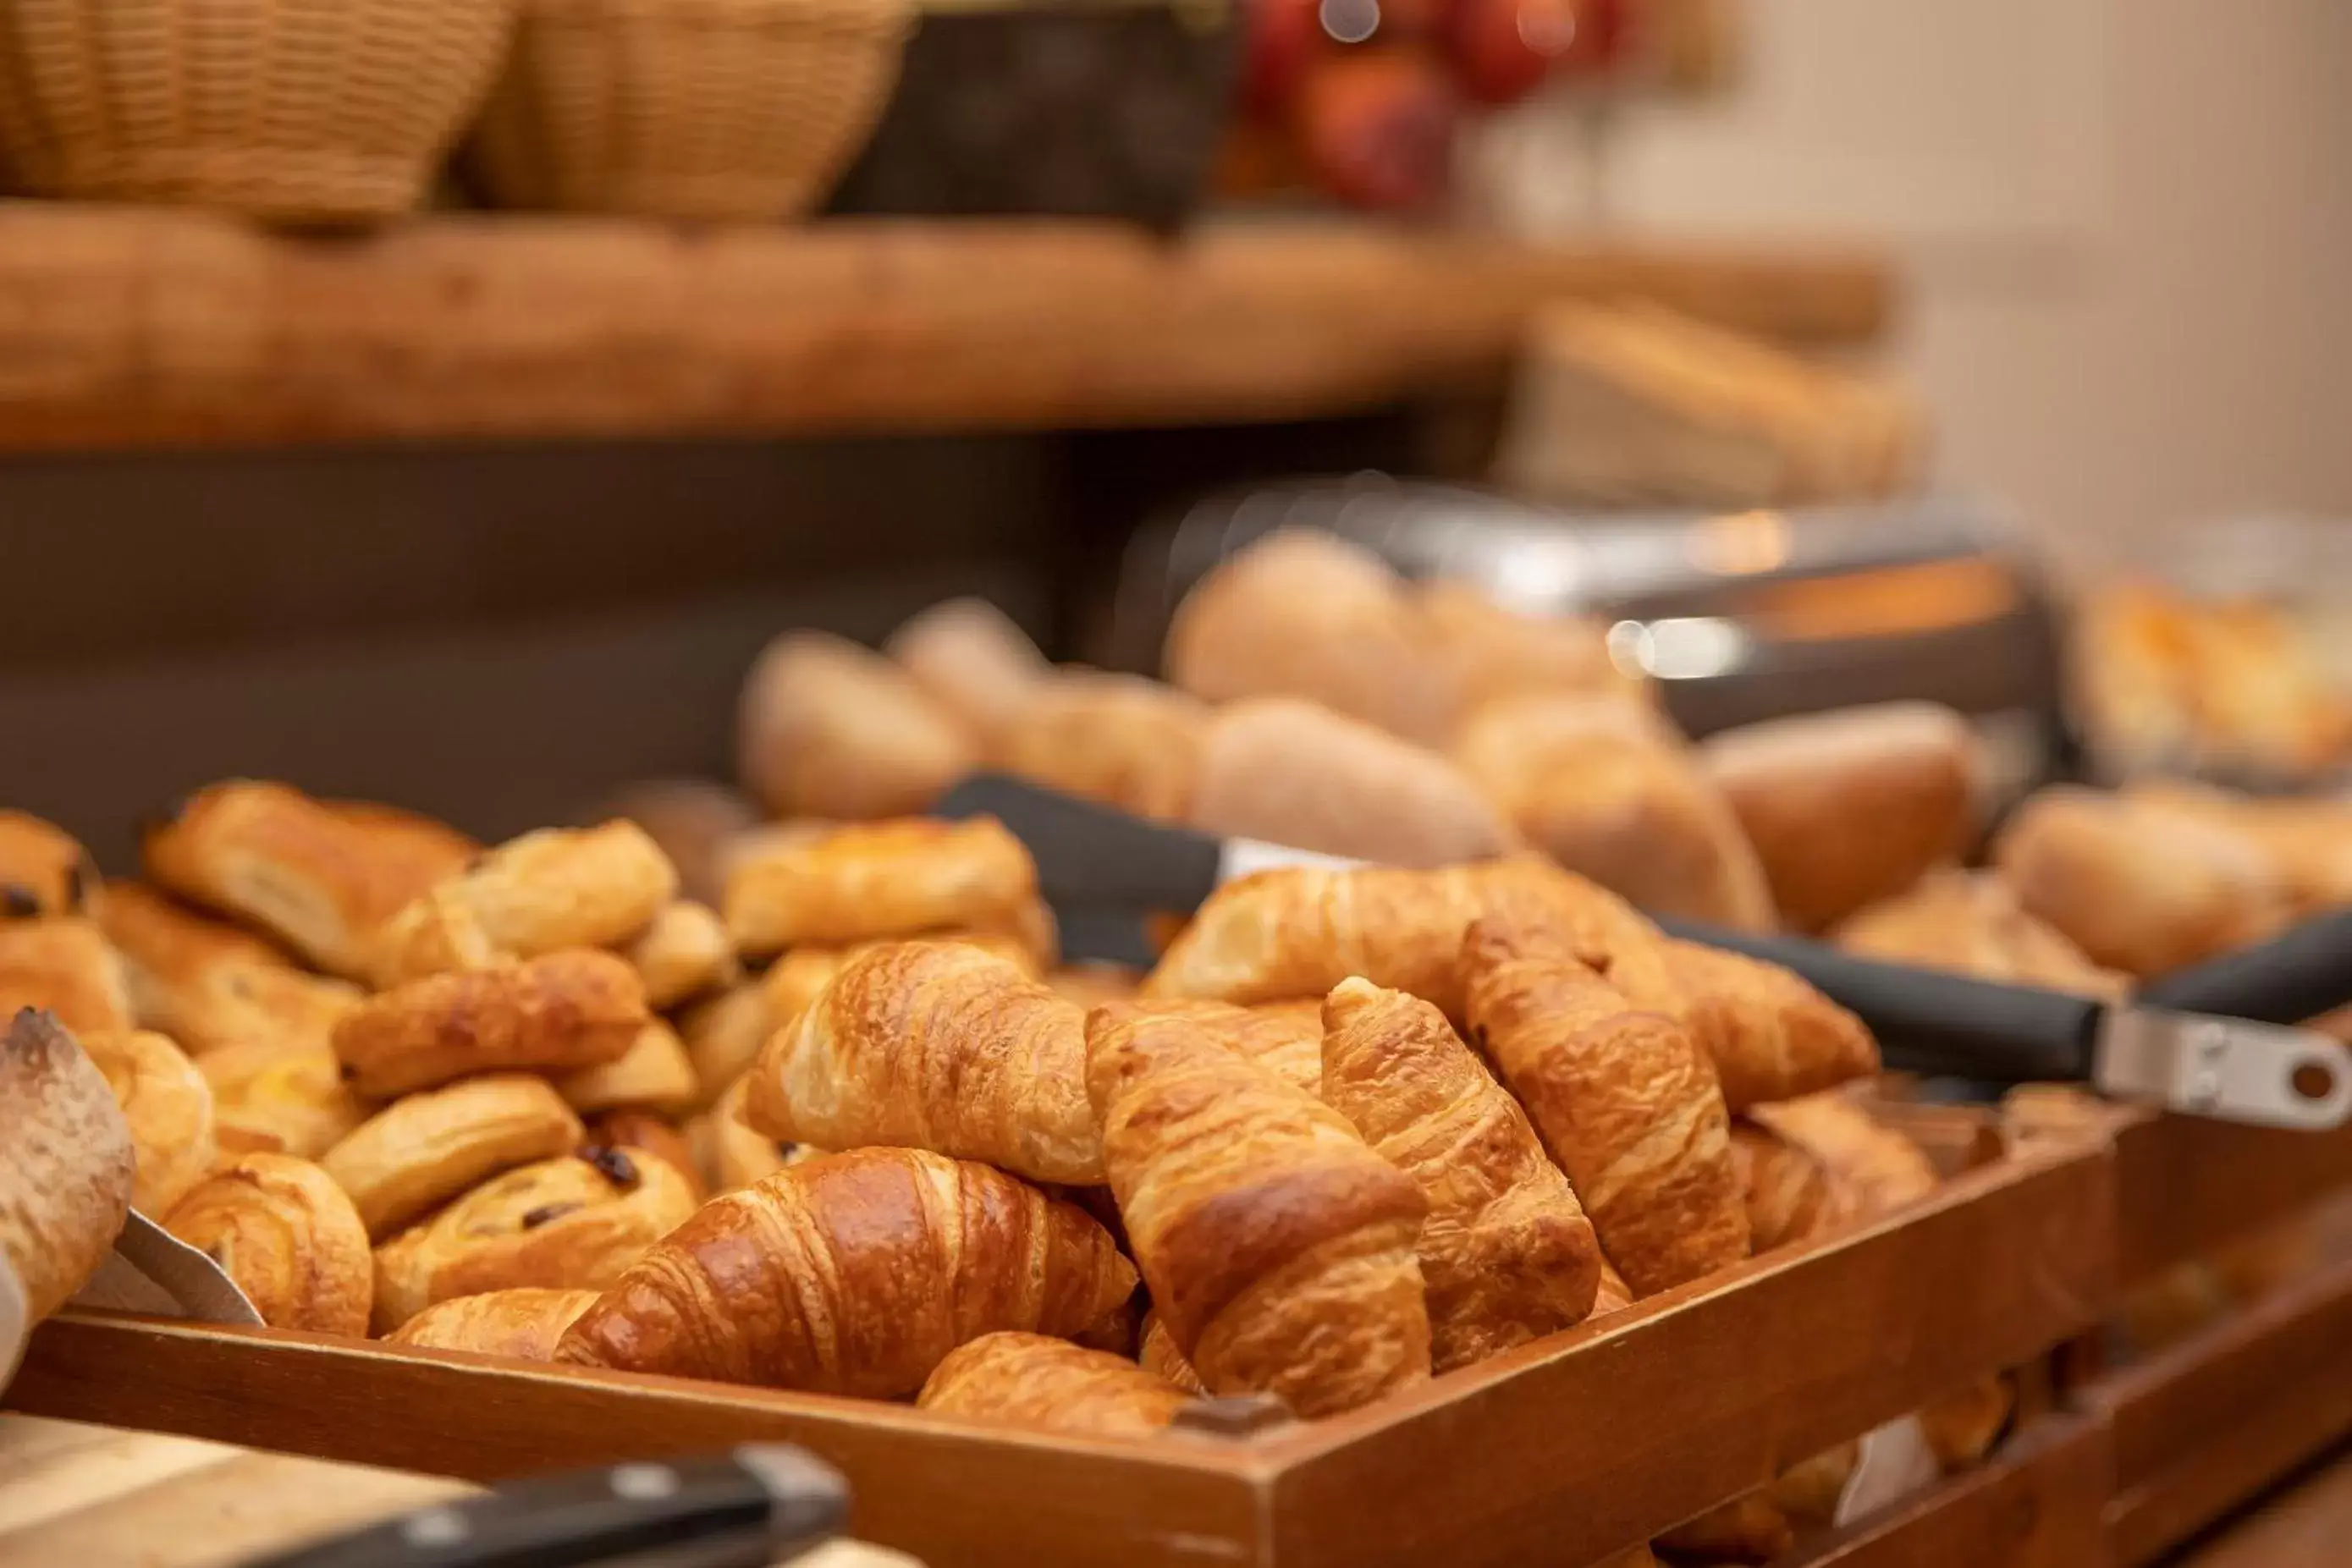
x: 320, y: 878
x: 857, y: 1274
x: 208, y: 983
x: 1506, y: 1253
x: 286, y: 1233
x: 1625, y: 1101
x: 66, y: 1163
x: 558, y: 1013
x: 684, y: 953
x: 1971, y: 923
x: 881, y: 879
x: 63, y: 965
x: 655, y: 1073
x: 279, y: 1096
x: 1771, y: 1035
x: 653, y: 1134
x: 1280, y: 1248
x: 1157, y: 1354
x: 1297, y: 931
x: 1032, y: 1380
x: 44, y: 870
x: 971, y: 660
x: 1876, y: 1168
x: 427, y: 1148
x: 827, y: 728
x: 723, y: 1036
x: 1789, y: 1192
x: 543, y: 893
x: 168, y: 1107
x: 576, y: 1221
x: 935, y: 1045
x: 1124, y: 740
x: 522, y: 1325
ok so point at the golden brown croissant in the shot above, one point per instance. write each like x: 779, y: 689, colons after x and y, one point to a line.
x: 1298, y: 931
x: 1770, y: 1034
x: 44, y: 870
x: 560, y: 1012
x: 66, y: 1163
x: 855, y: 1273
x: 1878, y: 1167
x: 63, y: 965
x: 655, y: 1073
x: 321, y: 878
x: 971, y: 660
x: 286, y: 1233
x: 826, y: 728
x: 522, y: 1323
x: 645, y: 1131
x: 730, y: 1155
x: 1092, y: 984
x: 1613, y: 1295
x: 1604, y: 786
x: 1124, y: 740
x: 684, y: 953
x: 1971, y: 923
x: 1156, y: 1352
x: 168, y: 1106
x: 553, y: 889
x: 430, y: 1146
x: 1032, y: 1380
x: 1506, y: 1253
x: 1284, y: 1037
x: 1624, y: 1100
x: 935, y: 1045
x: 1850, y: 806
x: 881, y: 879
x: 1789, y: 1192
x: 207, y: 984
x: 279, y: 1096
x: 1278, y: 1246
x: 576, y: 1221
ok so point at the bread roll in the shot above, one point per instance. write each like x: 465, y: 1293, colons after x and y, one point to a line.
x: 1770, y: 1035
x: 1489, y: 651
x: 826, y: 728
x: 427, y: 1148
x: 1124, y: 740
x: 1971, y: 923
x: 287, y: 1234
x: 168, y: 1107
x: 561, y: 1012
x: 971, y: 659
x: 547, y: 890
x: 1031, y: 1380
x: 522, y: 1325
x: 67, y: 1164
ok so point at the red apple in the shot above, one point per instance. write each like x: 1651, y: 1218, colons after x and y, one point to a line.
x: 1503, y: 49
x: 1284, y: 35
x: 1376, y: 128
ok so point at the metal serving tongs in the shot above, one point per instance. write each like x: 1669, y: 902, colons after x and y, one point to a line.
x: 2215, y: 1041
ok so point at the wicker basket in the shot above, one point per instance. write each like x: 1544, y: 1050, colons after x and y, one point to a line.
x: 299, y: 110
x: 686, y: 108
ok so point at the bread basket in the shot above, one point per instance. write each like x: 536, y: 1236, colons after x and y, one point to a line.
x: 686, y: 108
x: 296, y: 111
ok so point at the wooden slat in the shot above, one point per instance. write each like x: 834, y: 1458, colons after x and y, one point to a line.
x: 122, y: 326
x: 953, y: 1494
x: 2208, y: 1423
x: 2038, y: 1503
x: 1569, y: 1452
x: 2186, y: 1185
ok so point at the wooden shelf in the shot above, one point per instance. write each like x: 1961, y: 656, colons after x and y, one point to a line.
x: 123, y: 327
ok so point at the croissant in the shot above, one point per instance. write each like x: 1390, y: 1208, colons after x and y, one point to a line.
x: 1971, y: 923
x: 1771, y: 1035
x: 881, y: 879
x: 62, y: 963
x: 1278, y: 1246
x: 547, y: 890
x: 66, y: 1163
x: 167, y: 1105
x: 1030, y: 1380
x: 279, y: 1096
x: 1627, y: 1103
x: 44, y: 870
x: 1284, y: 1037
x: 857, y: 1274
x: 287, y: 1234
x: 1505, y: 1253
x: 322, y: 878
x: 1789, y: 1196
x: 1300, y: 930
x: 562, y: 1011
x: 427, y: 1148
x: 1879, y: 1168
x: 935, y: 1045
x: 207, y: 984
x: 683, y: 954
x: 522, y: 1323
x: 1613, y: 1295
x: 1156, y: 1352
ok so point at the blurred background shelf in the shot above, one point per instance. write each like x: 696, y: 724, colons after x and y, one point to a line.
x: 130, y: 328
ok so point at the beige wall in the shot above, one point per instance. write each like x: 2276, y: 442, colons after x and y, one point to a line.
x: 2126, y: 227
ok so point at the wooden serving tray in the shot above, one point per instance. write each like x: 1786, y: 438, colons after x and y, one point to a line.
x: 1563, y: 1452
x: 2186, y: 1185
x: 2035, y: 1503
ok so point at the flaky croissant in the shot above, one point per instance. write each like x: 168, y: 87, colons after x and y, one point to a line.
x: 855, y: 1273
x: 1625, y: 1101
x: 1278, y: 1246
x: 1505, y: 1253
x: 286, y: 1233
x: 1770, y: 1034
x: 1284, y: 1037
x: 1877, y: 1167
x: 939, y: 1045
x: 1157, y: 1354
x: 1789, y: 1192
x: 524, y: 1323
x: 1031, y: 1380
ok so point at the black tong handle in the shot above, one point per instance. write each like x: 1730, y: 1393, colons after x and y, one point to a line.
x: 2294, y: 976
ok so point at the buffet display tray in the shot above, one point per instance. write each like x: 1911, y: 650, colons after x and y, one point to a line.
x: 2035, y: 1503
x: 1563, y: 1452
x: 2185, y: 1186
